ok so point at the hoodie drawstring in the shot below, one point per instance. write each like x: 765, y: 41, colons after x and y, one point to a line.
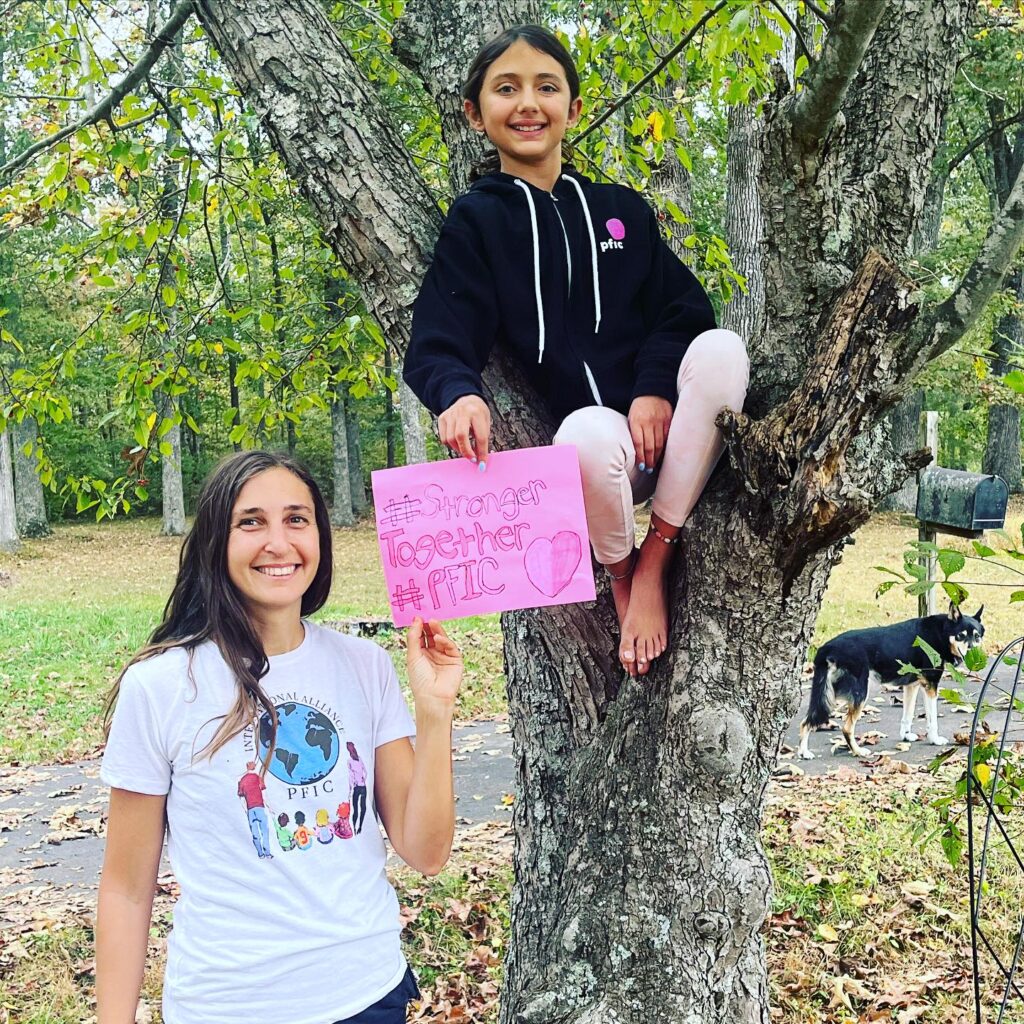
x: 536, y: 269
x: 593, y: 248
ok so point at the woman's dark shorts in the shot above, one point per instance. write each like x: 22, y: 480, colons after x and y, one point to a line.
x: 391, y: 1009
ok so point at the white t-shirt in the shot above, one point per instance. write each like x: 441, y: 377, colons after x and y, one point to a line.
x: 286, y: 915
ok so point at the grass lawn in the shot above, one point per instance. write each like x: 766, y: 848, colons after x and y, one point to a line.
x: 75, y: 607
x: 863, y: 926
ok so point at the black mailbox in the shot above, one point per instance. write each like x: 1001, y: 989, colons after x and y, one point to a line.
x: 963, y: 504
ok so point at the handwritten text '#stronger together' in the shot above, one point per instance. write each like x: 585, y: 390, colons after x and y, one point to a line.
x: 459, y: 543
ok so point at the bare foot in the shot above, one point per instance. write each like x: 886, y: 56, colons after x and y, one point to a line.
x: 645, y: 626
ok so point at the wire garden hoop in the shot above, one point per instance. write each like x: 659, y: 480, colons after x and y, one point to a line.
x: 987, y: 828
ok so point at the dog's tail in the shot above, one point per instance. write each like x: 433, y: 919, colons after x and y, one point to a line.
x: 819, y: 711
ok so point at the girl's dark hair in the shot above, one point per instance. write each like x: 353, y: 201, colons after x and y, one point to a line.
x: 540, y: 39
x: 204, y: 604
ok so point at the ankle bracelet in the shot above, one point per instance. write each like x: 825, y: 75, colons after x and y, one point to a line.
x: 629, y: 572
x: 657, y: 533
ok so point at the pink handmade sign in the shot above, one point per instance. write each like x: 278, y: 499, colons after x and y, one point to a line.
x: 458, y: 542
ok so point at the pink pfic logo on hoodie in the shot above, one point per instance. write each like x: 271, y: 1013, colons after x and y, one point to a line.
x: 618, y: 232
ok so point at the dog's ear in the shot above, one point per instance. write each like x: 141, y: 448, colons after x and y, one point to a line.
x: 954, y: 612
x: 977, y: 614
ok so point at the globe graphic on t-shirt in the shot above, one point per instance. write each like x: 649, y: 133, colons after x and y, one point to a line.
x: 307, y: 744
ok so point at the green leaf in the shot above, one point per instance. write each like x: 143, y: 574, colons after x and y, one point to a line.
x: 169, y: 295
x: 267, y: 322
x: 151, y: 234
x: 956, y: 593
x: 950, y: 561
x: 975, y: 659
x: 1016, y: 596
x: 1014, y: 380
x: 982, y: 550
x: 933, y: 655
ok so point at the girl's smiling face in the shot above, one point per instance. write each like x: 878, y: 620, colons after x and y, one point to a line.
x: 525, y: 108
x: 274, y: 545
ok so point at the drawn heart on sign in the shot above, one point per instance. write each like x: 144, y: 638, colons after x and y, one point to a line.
x: 550, y: 563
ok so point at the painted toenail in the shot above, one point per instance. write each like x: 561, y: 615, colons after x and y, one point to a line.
x: 643, y: 467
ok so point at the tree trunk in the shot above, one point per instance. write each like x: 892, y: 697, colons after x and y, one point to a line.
x: 670, y: 179
x: 744, y: 227
x: 1002, y: 444
x: 641, y: 881
x: 28, y: 491
x: 170, y: 465
x: 341, y: 505
x: 355, y: 457
x: 389, y: 411
x: 414, y: 435
x: 173, y: 490
x: 903, y: 428
x: 8, y: 515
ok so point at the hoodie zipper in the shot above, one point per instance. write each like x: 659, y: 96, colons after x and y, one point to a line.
x: 568, y: 254
x: 568, y: 294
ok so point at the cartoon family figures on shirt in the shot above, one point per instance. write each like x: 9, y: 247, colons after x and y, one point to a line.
x: 349, y: 821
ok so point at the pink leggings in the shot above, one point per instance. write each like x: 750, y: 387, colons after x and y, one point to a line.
x: 712, y: 376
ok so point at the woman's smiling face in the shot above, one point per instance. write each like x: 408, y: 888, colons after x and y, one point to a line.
x: 525, y: 108
x: 274, y: 546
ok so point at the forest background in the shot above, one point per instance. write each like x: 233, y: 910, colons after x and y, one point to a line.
x: 167, y: 295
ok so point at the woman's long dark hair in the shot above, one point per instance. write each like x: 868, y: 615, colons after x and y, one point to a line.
x: 204, y: 604
x: 540, y: 39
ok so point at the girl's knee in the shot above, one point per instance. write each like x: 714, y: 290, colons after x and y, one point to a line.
x: 718, y: 360
x: 600, y: 436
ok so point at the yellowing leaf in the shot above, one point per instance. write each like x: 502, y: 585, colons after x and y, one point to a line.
x: 827, y: 932
x: 858, y: 899
x: 983, y: 772
x: 656, y: 122
x: 212, y: 205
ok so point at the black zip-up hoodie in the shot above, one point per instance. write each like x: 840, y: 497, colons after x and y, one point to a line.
x: 578, y: 283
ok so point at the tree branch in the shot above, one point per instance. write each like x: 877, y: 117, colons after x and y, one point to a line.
x: 650, y: 76
x: 815, y: 109
x: 794, y: 29
x: 796, y: 458
x: 951, y: 319
x: 824, y: 18
x: 1017, y: 118
x: 103, y: 111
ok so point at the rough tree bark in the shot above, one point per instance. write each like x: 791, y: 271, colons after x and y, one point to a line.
x: 641, y: 881
x: 28, y: 490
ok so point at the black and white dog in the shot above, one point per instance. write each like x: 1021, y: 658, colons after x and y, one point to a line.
x: 848, y: 663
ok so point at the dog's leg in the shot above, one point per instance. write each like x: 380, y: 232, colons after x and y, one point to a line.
x: 931, y: 707
x: 907, y: 732
x: 805, y: 751
x: 850, y: 730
